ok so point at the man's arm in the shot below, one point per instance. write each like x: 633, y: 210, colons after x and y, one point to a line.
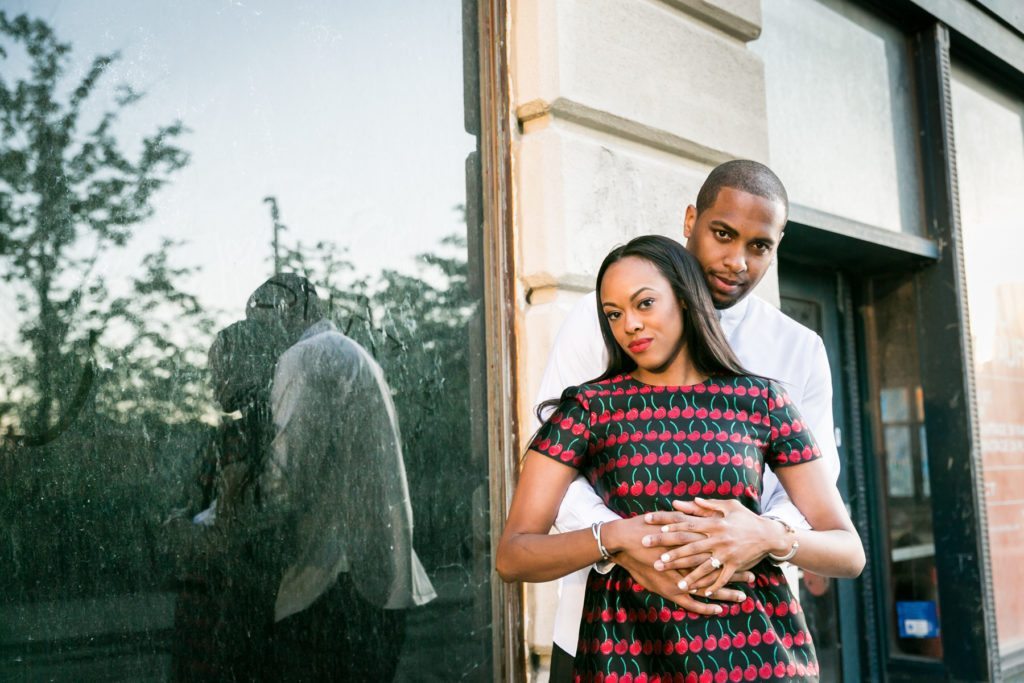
x: 816, y: 407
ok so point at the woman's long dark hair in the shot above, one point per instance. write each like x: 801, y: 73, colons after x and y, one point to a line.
x: 703, y: 338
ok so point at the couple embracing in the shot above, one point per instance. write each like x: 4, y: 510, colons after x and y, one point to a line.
x: 686, y: 452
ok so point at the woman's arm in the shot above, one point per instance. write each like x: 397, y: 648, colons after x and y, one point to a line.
x: 526, y: 552
x: 832, y: 548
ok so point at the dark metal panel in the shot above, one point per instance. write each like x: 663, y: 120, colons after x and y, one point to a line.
x: 965, y: 589
x: 851, y: 245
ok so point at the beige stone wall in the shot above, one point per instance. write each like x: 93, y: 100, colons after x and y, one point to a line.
x: 624, y: 106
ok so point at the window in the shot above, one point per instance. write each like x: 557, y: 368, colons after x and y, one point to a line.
x: 989, y: 132
x: 148, y: 369
x: 841, y: 111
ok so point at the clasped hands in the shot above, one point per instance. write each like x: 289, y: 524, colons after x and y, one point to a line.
x: 695, y: 550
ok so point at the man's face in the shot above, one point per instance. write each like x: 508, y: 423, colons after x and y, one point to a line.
x: 734, y: 240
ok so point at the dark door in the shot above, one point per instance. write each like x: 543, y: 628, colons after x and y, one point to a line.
x: 814, y: 298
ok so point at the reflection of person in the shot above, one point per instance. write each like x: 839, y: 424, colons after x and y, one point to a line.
x: 336, y: 474
x: 674, y: 415
x: 223, y: 614
x: 733, y: 230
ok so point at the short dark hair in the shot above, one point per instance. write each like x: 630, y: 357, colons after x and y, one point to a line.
x: 746, y: 176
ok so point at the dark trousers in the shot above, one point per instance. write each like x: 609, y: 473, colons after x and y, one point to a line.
x: 340, y: 637
x: 561, y: 665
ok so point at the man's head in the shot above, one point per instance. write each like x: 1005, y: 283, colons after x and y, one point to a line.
x: 286, y: 301
x: 735, y: 227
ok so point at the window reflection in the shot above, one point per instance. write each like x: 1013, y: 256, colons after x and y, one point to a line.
x: 989, y: 128
x: 193, y: 478
x: 897, y: 417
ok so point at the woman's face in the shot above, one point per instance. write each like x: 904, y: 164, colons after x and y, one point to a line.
x: 643, y: 313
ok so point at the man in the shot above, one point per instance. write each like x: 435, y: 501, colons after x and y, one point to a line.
x: 336, y: 479
x: 734, y: 231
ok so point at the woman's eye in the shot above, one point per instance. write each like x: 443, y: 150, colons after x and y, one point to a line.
x: 612, y: 315
x: 646, y: 303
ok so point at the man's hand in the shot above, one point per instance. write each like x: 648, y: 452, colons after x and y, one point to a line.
x: 639, y: 563
x: 735, y: 540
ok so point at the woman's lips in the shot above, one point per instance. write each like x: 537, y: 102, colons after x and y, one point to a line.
x: 639, y: 345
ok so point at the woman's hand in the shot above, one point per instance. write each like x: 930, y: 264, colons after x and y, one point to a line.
x: 735, y: 540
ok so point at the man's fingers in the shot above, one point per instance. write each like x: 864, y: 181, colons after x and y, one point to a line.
x: 690, y: 508
x: 672, y: 539
x: 729, y: 595
x: 691, y: 604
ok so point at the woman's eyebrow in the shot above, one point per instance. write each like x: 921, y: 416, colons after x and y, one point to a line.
x: 632, y: 298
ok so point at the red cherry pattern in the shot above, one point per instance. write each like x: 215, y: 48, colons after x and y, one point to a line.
x: 644, y: 446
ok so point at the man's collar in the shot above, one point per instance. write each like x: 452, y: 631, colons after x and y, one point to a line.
x: 319, y: 326
x: 732, y: 316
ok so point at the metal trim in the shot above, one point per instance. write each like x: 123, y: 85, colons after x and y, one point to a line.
x: 508, y: 639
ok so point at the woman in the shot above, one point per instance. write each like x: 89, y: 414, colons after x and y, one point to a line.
x: 674, y: 417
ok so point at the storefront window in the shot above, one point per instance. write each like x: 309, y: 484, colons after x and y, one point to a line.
x: 989, y: 129
x: 841, y: 112
x: 240, y: 350
x: 898, y: 427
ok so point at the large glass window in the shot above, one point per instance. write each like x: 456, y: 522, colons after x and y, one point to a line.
x: 989, y: 129
x: 240, y: 366
x: 896, y: 409
x: 841, y: 112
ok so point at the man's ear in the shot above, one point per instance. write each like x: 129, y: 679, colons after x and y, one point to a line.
x: 689, y: 220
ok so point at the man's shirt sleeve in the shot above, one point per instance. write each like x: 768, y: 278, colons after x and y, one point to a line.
x: 578, y: 355
x: 816, y: 407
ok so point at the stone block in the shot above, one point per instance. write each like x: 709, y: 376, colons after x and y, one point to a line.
x: 644, y: 63
x: 581, y: 194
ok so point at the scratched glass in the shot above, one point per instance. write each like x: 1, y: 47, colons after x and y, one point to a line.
x: 241, y: 424
x: 989, y: 127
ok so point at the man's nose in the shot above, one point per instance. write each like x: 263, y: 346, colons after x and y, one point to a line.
x: 736, y: 261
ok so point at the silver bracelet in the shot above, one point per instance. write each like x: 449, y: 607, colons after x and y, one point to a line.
x: 595, y: 529
x: 779, y: 559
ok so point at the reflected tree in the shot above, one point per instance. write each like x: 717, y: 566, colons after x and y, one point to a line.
x: 71, y: 196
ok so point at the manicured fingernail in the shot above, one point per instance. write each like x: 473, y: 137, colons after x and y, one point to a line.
x: 693, y: 591
x: 699, y: 500
x: 664, y: 529
x: 682, y: 585
x: 707, y: 593
x: 646, y: 540
x: 718, y: 609
x: 741, y: 598
x: 648, y: 517
x: 659, y: 565
x: 665, y: 557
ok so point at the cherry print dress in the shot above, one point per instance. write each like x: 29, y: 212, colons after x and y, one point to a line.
x: 642, y: 447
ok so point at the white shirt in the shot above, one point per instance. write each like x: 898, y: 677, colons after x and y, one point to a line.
x: 336, y: 468
x: 766, y: 341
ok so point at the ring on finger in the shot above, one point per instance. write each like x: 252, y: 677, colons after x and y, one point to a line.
x: 715, y: 563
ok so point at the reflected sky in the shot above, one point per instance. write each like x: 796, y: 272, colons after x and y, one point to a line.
x: 350, y: 113
x: 989, y: 128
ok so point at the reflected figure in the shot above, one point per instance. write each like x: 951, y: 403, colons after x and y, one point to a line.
x: 335, y: 479
x: 228, y: 555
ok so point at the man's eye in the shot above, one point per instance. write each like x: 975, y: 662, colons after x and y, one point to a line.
x: 721, y: 234
x: 761, y: 248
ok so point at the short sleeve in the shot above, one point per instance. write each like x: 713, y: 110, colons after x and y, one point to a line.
x: 565, y: 436
x: 792, y: 442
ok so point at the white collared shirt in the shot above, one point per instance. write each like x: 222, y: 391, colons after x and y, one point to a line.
x: 766, y: 341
